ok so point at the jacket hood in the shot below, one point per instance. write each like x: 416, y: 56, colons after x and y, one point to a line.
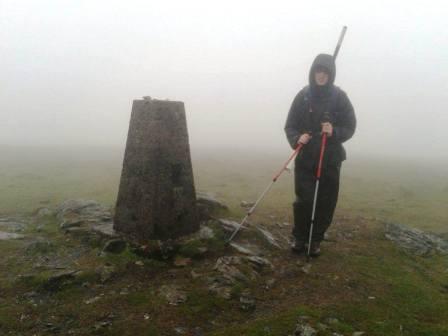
x: 326, y: 61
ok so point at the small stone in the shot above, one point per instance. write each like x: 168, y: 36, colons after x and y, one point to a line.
x: 139, y: 263
x: 180, y: 330
x: 227, y: 266
x: 304, y: 330
x: 242, y: 249
x: 194, y: 274
x: 10, y: 236
x: 124, y: 291
x: 206, y: 233
x: 57, y: 280
x: 70, y: 223
x: 221, y: 291
x: 331, y: 320
x: 358, y: 333
x: 173, y: 294
x: 230, y: 225
x: 146, y: 316
x: 102, y: 324
x: 270, y: 283
x: 92, y: 300
x: 259, y: 262
x: 245, y: 204
x: 306, y: 268
x: 247, y: 303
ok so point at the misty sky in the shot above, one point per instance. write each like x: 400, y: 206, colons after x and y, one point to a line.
x: 70, y: 69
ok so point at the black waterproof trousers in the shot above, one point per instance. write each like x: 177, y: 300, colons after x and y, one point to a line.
x: 305, y: 184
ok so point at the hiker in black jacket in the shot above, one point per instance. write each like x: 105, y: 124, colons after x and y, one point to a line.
x: 317, y: 108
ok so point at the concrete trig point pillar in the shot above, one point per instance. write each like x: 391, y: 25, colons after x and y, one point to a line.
x: 156, y: 198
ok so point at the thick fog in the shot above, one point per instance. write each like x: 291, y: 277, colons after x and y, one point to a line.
x: 70, y: 69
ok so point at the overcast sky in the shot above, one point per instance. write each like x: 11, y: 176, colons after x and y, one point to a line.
x: 70, y: 69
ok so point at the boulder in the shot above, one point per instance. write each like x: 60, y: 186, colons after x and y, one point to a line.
x: 415, y: 241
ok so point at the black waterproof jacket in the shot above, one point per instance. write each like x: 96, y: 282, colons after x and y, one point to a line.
x: 313, y: 105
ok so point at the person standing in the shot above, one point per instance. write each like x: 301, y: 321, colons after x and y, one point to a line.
x: 320, y: 107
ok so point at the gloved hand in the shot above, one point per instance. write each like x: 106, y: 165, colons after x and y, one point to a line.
x: 327, y: 128
x: 304, y: 139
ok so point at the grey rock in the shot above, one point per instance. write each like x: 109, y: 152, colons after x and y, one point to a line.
x: 79, y: 208
x: 56, y: 281
x: 86, y: 220
x: 306, y: 268
x: 304, y: 330
x: 229, y: 225
x: 92, y: 300
x: 206, y: 233
x: 227, y: 266
x: 270, y: 283
x: 244, y: 249
x: 220, y: 286
x: 268, y: 236
x: 259, y: 262
x: 173, y: 294
x: 415, y: 241
x: 245, y: 204
x: 70, y: 223
x: 180, y: 330
x: 247, y: 303
x: 10, y: 236
x: 11, y: 225
x: 44, y: 212
x: 209, y: 201
x: 105, y: 229
x: 115, y: 246
x: 102, y: 324
x: 331, y: 320
x: 81, y: 212
x: 358, y: 333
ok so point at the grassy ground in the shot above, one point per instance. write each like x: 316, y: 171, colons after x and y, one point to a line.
x: 362, y: 279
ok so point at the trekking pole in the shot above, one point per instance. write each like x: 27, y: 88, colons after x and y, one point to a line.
x: 274, y: 179
x: 321, y: 156
x: 338, y: 46
x: 319, y: 170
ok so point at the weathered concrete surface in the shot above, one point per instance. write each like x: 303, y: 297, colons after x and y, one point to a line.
x: 157, y: 198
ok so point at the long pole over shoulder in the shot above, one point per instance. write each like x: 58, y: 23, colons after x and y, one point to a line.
x: 341, y: 38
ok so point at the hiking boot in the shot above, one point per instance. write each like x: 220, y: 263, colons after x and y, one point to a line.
x: 299, y: 247
x: 315, y: 249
